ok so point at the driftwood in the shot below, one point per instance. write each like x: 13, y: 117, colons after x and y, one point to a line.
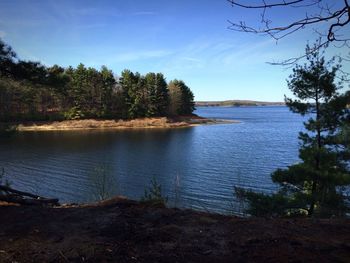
x: 24, y: 198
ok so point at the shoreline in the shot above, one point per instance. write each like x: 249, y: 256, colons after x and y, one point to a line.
x: 118, y: 124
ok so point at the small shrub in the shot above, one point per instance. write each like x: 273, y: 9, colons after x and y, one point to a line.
x: 153, y: 195
x: 177, y: 193
x: 278, y: 204
x: 104, y: 183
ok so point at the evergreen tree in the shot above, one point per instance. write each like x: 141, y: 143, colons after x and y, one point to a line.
x: 7, y: 60
x: 139, y: 107
x: 108, y: 83
x: 157, y: 94
x: 174, y: 98
x: 314, y: 184
x: 151, y: 86
x: 162, y: 95
x: 130, y: 84
x: 57, y: 78
x: 185, y: 103
x: 187, y: 99
x: 93, y: 93
x: 78, y: 93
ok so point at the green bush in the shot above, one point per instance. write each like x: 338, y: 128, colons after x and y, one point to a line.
x: 279, y: 204
x: 74, y: 114
x: 153, y: 195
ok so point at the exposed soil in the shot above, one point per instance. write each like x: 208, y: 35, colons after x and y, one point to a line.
x: 141, y: 123
x: 121, y: 230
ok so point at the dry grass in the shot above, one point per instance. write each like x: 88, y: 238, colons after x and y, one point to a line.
x: 141, y: 123
x: 101, y: 124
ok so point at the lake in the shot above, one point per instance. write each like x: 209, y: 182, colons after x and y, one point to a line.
x: 197, y: 167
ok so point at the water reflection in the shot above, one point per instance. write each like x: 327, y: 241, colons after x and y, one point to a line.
x: 197, y: 167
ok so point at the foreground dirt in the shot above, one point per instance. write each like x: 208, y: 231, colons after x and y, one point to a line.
x: 88, y: 124
x: 126, y: 231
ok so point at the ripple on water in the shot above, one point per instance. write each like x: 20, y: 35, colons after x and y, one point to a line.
x: 207, y: 161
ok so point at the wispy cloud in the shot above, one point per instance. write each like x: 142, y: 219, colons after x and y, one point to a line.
x: 191, y: 59
x: 144, y: 13
x: 141, y: 55
x: 24, y: 23
x: 92, y: 11
x: 85, y: 11
x: 247, y: 54
x: 129, y: 57
x: 91, y: 26
x: 2, y: 33
x: 218, y: 55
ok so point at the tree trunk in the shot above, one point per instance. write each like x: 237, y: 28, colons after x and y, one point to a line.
x: 317, y: 157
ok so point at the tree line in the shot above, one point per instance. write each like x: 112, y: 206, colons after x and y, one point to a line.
x: 30, y: 91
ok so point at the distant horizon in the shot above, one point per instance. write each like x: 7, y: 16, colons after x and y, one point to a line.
x: 238, y: 100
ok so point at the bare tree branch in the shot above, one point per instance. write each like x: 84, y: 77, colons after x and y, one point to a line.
x: 335, y: 15
x: 264, y: 5
x: 292, y: 61
x: 335, y: 19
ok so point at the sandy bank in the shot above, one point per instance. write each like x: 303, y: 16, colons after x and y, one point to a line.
x: 141, y: 123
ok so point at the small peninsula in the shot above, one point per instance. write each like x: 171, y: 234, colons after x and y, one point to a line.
x: 39, y: 97
x: 139, y: 123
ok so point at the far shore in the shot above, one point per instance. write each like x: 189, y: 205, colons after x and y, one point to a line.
x: 237, y: 103
x: 140, y: 123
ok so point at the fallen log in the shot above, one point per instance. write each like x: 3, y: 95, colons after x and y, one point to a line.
x: 15, y: 196
x: 8, y: 189
x: 25, y: 201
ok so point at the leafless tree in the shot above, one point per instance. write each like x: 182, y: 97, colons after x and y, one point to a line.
x: 334, y: 14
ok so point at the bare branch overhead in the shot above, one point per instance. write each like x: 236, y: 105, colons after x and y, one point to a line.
x: 332, y: 15
x: 336, y: 19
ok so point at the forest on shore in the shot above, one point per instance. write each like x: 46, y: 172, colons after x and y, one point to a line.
x: 31, y: 91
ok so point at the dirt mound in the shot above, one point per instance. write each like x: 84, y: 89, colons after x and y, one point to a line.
x: 126, y: 231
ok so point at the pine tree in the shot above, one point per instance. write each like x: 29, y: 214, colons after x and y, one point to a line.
x: 162, y: 95
x: 7, y: 60
x: 182, y: 99
x: 108, y: 83
x: 187, y: 99
x: 315, y: 184
x: 174, y: 98
x: 324, y: 166
x: 133, y: 92
x: 151, y: 86
x: 78, y: 93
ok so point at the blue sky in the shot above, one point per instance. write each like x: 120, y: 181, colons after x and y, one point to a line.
x: 184, y: 39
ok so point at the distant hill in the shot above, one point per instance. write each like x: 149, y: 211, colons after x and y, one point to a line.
x: 237, y: 103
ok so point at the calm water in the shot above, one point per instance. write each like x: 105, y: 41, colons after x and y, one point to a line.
x: 197, y: 167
